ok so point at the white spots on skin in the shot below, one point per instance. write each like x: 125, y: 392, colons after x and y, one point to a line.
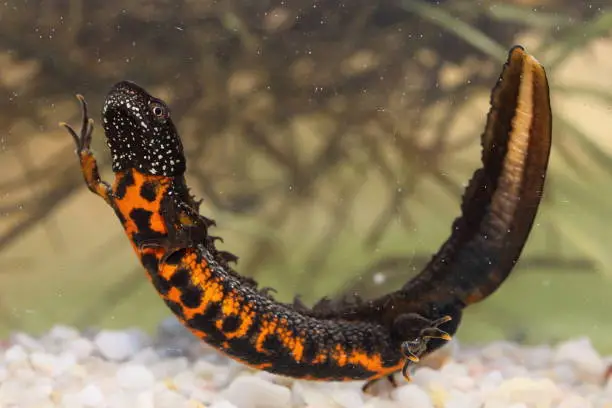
x: 135, y: 136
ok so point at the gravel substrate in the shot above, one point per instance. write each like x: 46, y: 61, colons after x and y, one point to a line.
x: 67, y: 368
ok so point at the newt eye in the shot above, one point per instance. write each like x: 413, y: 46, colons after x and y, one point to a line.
x: 159, y: 110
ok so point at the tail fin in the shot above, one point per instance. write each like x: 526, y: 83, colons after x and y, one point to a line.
x: 502, y: 198
x: 497, y: 213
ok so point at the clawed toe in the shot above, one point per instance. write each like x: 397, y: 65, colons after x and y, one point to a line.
x: 82, y: 140
x: 413, y: 349
x: 441, y: 320
x: 435, y: 333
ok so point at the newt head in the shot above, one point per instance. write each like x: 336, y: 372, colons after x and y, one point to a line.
x: 140, y: 133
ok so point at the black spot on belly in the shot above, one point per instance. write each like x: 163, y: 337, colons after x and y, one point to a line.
x: 272, y: 344
x: 147, y: 191
x: 191, y: 296
x: 175, y: 308
x: 142, y: 219
x: 161, y: 284
x: 311, y: 349
x: 143, y: 233
x: 206, y: 322
x: 149, y: 261
x: 123, y: 183
x: 180, y: 278
x: 231, y: 323
x: 151, y: 265
x: 176, y: 257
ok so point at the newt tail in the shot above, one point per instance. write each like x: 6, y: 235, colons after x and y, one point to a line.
x: 499, y: 206
x: 502, y: 199
x: 371, y: 340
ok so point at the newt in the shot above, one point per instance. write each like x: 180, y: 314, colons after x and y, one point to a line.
x: 363, y: 340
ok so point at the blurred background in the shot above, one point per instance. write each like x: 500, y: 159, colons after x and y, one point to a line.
x: 330, y: 140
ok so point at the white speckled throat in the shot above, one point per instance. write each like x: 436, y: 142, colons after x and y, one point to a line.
x: 140, y: 133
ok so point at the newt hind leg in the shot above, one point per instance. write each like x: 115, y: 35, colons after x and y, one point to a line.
x: 416, y: 332
x: 89, y: 166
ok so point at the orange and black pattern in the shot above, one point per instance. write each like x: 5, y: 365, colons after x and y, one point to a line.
x: 344, y: 341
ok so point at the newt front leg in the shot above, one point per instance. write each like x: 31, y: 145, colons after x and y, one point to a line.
x: 89, y: 166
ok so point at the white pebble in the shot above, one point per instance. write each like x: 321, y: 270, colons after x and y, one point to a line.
x: 217, y: 374
x: 498, y: 350
x: 91, y: 396
x: 574, y: 401
x: 453, y: 369
x: 117, y: 345
x: 39, y: 392
x: 70, y: 400
x: 413, y: 396
x: 305, y: 393
x: 170, y: 367
x: 24, y: 374
x: 457, y: 399
x: 536, y: 392
x: 80, y: 347
x: 145, y: 399
x: 15, y: 354
x: 167, y: 398
x: 43, y: 362
x: 426, y: 377
x: 146, y: 356
x: 253, y: 392
x: 171, y: 326
x: 347, y: 398
x: 463, y: 383
x: 537, y: 357
x: 378, y: 402
x: 124, y: 369
x: 134, y: 377
x: 204, y: 368
x: 223, y: 404
x: 187, y: 382
x: 491, y: 380
x: 52, y: 365
x: 204, y: 396
x: 63, y: 333
x: 119, y: 398
x: 586, y: 360
x: 564, y: 373
x: 28, y: 342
